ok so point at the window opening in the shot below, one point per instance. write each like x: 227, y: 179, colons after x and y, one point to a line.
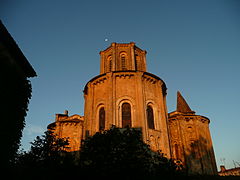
x: 126, y: 115
x: 123, y: 61
x: 150, y: 117
x: 101, y: 118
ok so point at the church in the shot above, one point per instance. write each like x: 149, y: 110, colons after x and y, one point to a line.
x: 125, y: 94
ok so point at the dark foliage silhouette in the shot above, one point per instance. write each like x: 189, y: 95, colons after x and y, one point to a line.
x: 115, y: 152
x: 15, y: 92
x: 15, y: 95
x: 112, y: 154
x: 122, y: 152
x: 46, y: 151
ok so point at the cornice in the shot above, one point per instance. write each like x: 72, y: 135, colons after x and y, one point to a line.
x: 187, y: 117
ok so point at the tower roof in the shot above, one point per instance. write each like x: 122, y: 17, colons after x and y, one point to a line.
x: 182, y: 105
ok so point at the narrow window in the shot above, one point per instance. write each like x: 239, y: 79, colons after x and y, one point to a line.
x: 109, y: 60
x: 150, y: 117
x: 126, y: 115
x: 193, y: 147
x: 101, y: 119
x: 177, y: 155
x: 137, y: 63
x: 123, y: 61
x: 110, y: 65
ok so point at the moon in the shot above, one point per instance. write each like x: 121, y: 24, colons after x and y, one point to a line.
x: 106, y: 40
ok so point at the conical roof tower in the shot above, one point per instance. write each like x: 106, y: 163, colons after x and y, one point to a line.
x: 190, y: 139
x: 182, y: 105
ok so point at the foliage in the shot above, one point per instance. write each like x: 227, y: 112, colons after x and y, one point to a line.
x: 15, y: 93
x: 119, y: 153
x: 45, y: 151
x: 122, y: 152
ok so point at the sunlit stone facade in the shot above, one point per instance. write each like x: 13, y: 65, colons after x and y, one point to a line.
x: 124, y: 85
x: 69, y: 127
x: 191, y: 140
x: 125, y: 94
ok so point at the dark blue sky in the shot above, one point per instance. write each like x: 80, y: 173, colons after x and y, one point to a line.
x: 193, y: 45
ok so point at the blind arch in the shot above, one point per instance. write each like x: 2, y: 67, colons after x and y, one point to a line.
x: 109, y: 64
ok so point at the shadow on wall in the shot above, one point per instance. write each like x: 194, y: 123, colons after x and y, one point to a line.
x: 199, y: 157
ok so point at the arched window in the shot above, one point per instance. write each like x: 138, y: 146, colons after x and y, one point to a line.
x: 123, y: 61
x: 101, y: 118
x: 137, y: 63
x: 126, y: 115
x: 150, y: 117
x: 177, y: 153
x: 193, y: 147
x: 109, y: 64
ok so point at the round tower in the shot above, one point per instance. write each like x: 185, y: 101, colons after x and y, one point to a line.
x: 124, y: 94
x: 190, y: 139
x: 70, y: 127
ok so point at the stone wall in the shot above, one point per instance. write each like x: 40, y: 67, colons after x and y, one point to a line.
x: 139, y: 89
x: 191, y: 143
x: 69, y: 127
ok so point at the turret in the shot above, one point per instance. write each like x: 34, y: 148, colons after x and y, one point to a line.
x: 123, y: 57
x: 190, y: 139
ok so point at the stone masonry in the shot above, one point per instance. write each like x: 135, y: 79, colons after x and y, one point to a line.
x: 125, y: 94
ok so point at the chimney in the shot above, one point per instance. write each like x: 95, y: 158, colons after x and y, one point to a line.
x: 66, y: 112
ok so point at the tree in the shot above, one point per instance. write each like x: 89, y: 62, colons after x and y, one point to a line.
x: 46, y: 151
x: 15, y: 93
x: 118, y: 152
x: 122, y: 152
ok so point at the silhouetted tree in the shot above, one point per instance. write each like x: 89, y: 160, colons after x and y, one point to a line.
x: 46, y: 151
x: 15, y: 95
x: 119, y: 153
x: 122, y: 152
x: 15, y: 92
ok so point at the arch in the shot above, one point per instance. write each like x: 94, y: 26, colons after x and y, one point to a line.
x: 119, y: 102
x: 123, y: 60
x: 190, y: 132
x: 137, y: 63
x: 177, y: 151
x: 101, y: 118
x: 193, y: 149
x: 150, y: 117
x: 126, y: 115
x: 109, y: 64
